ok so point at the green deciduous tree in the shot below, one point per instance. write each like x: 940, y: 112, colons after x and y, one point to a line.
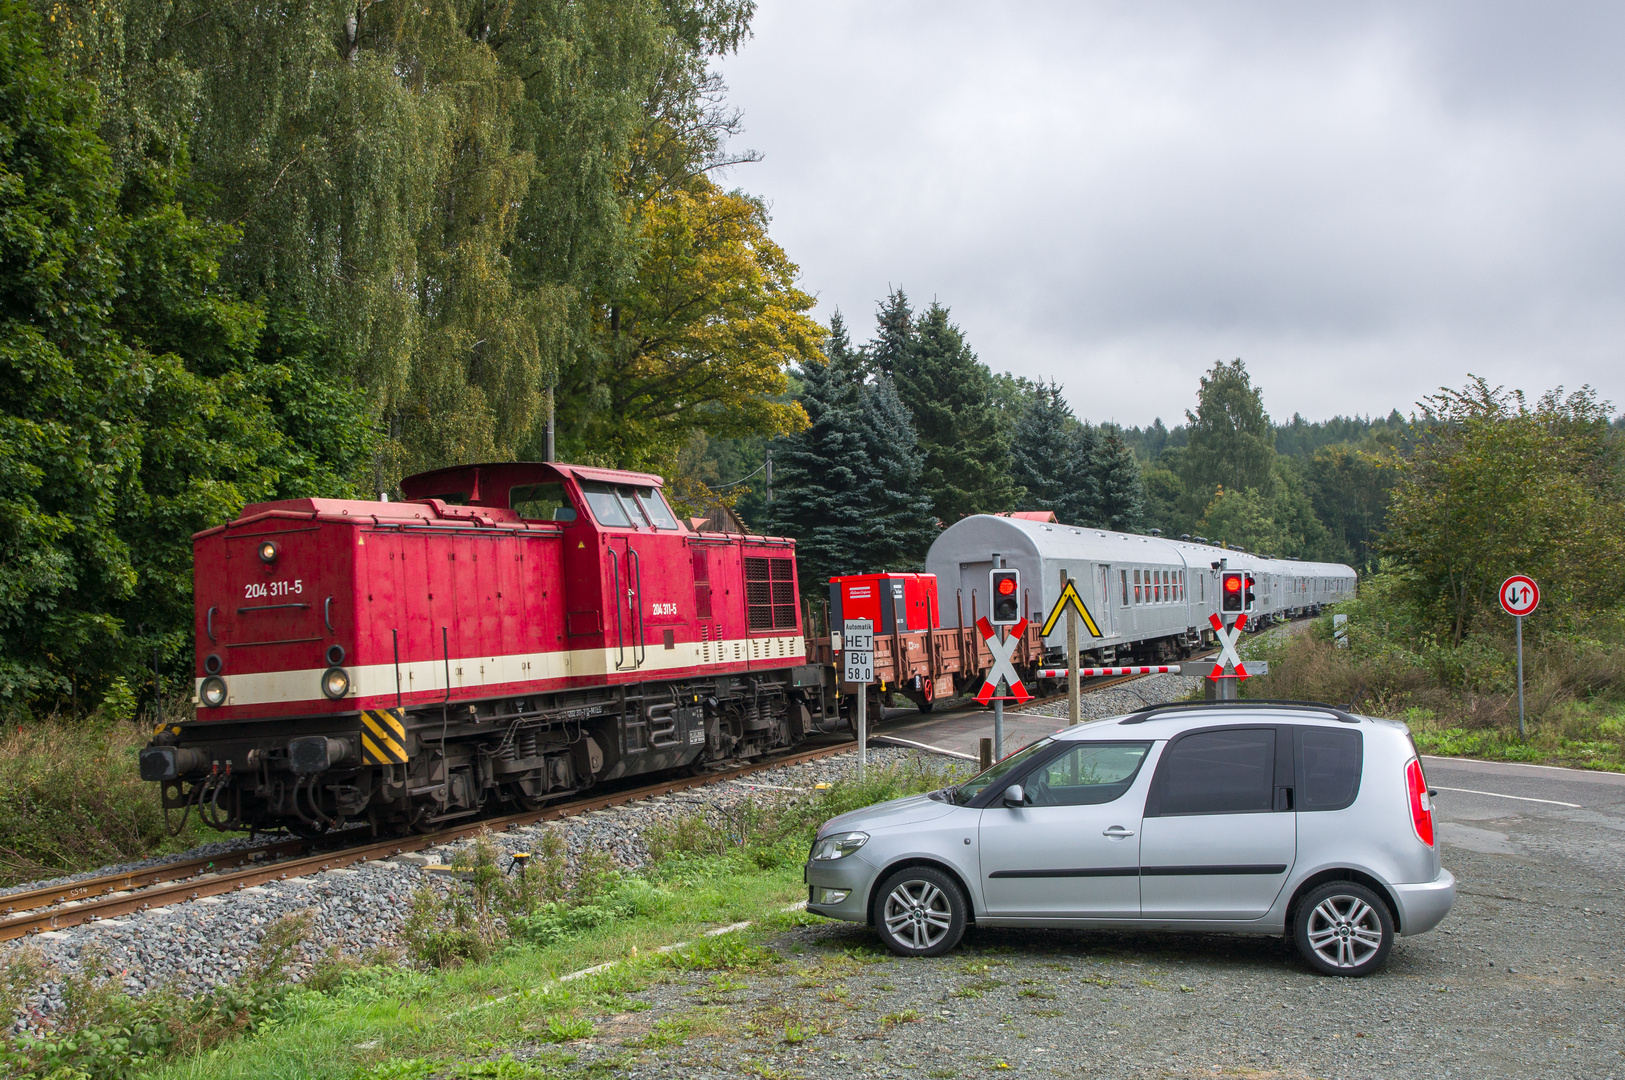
x: 1496, y: 486
x: 139, y: 400
x: 1231, y: 443
x: 703, y: 337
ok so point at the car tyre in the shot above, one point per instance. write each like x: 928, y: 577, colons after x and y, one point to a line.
x: 920, y: 911
x: 1343, y: 928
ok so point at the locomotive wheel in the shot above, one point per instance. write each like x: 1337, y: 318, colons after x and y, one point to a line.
x: 305, y: 830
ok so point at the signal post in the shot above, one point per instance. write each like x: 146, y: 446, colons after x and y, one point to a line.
x: 1004, y: 611
x: 1235, y: 604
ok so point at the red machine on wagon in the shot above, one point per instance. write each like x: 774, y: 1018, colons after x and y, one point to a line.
x: 509, y: 634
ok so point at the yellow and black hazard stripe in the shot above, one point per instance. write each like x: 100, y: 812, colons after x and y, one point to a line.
x: 383, y: 737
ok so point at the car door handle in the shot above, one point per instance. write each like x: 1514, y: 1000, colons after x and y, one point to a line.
x: 1117, y: 832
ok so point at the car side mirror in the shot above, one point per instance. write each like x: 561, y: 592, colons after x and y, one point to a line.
x: 1014, y: 796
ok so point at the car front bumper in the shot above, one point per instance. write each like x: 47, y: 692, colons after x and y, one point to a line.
x: 1424, y: 906
x: 851, y: 875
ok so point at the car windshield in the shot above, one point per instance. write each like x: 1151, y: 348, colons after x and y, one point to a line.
x: 973, y: 787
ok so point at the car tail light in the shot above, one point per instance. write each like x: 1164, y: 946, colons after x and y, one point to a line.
x: 1416, y: 786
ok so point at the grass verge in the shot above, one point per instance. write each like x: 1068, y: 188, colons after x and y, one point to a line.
x: 478, y: 995
x: 71, y: 798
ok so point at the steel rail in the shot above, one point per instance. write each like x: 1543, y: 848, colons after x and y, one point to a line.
x: 162, y: 894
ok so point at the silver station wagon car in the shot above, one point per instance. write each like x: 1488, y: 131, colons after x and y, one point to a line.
x: 1248, y: 817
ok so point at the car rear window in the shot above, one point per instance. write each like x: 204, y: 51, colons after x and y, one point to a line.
x: 1328, y: 768
x: 1216, y: 772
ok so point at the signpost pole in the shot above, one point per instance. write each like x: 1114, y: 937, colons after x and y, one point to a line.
x: 1519, y: 620
x: 1074, y: 698
x: 1519, y: 596
x: 998, y: 717
x: 863, y: 730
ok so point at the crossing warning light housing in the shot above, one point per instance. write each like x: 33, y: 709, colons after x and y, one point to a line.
x: 1232, y: 592
x: 1247, y: 595
x: 1005, y: 588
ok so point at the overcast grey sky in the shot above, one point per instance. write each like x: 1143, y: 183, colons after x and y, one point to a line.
x: 1362, y: 201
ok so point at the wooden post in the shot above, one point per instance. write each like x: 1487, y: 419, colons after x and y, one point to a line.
x: 987, y: 755
x: 1074, y: 692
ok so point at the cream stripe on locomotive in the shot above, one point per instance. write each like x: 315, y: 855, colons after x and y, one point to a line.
x: 378, y: 680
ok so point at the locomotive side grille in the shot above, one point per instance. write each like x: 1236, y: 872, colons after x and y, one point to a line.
x: 770, y: 601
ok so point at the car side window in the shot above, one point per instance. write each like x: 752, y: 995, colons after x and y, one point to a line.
x: 1086, y: 774
x: 1230, y: 771
x: 1329, y: 764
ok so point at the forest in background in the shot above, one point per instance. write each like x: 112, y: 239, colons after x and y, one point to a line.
x: 252, y: 253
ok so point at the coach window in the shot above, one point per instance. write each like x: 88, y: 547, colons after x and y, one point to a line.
x: 605, y: 505
x: 1136, y: 586
x: 654, y: 505
x: 541, y: 502
x: 1122, y: 577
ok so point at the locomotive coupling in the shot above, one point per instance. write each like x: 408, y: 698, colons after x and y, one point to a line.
x: 317, y: 753
x: 160, y: 763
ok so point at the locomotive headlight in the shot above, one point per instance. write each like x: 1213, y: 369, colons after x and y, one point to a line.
x: 335, y: 682
x: 838, y: 845
x: 269, y: 550
x: 213, y: 691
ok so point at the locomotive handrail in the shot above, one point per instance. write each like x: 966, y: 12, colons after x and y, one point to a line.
x: 640, y: 648
x: 327, y: 617
x: 270, y: 607
x: 615, y: 588
x: 208, y: 624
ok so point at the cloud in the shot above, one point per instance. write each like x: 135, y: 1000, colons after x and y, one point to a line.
x: 1363, y: 203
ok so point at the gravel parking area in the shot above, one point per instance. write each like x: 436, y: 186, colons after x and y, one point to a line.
x: 1522, y: 980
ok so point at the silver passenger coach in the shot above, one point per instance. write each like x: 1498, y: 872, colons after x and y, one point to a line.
x: 1150, y: 596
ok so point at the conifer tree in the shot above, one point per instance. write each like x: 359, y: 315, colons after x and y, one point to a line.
x: 1117, y: 478
x: 950, y: 394
x: 894, y: 338
x: 1051, y: 457
x: 848, y: 485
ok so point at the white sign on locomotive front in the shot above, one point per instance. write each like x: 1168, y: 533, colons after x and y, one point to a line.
x: 858, y: 651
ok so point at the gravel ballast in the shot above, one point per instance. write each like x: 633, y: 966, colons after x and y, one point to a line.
x: 358, y: 910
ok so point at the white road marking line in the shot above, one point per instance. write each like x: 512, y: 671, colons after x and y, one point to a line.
x: 1498, y: 795
x: 924, y: 746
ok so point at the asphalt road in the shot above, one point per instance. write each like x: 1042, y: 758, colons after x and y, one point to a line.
x: 1521, y: 980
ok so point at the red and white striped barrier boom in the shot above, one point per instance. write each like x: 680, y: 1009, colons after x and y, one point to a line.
x: 1096, y: 672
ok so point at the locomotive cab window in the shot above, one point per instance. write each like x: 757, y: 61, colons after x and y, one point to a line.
x: 606, y: 506
x: 541, y: 502
x: 655, y: 508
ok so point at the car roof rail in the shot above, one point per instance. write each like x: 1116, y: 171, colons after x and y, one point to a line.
x: 1152, y: 712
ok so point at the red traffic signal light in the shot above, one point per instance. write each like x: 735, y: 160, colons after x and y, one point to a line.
x: 1006, y: 604
x: 1232, y: 583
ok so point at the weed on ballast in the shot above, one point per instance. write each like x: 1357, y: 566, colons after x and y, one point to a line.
x: 103, y: 1033
x: 723, y: 952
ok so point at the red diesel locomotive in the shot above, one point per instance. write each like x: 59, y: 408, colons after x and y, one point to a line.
x: 509, y: 634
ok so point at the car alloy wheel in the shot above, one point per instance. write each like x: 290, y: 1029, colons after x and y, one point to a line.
x: 921, y: 912
x: 1344, y: 929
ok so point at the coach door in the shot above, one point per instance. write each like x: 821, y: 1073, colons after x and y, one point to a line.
x: 1104, y: 611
